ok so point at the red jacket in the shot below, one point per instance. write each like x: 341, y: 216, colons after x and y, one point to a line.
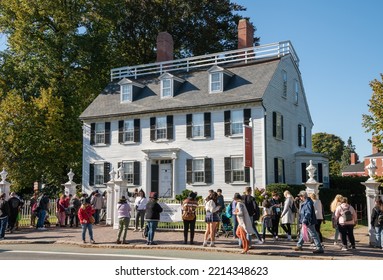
x: 85, y: 211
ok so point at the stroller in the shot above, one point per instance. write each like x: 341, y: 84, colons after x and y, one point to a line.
x: 226, y: 226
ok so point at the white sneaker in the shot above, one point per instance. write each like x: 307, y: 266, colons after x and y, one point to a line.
x: 344, y: 248
x: 204, y: 244
x: 135, y: 230
x: 212, y: 244
x: 260, y: 241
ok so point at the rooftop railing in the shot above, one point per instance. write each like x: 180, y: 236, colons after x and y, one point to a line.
x: 246, y: 55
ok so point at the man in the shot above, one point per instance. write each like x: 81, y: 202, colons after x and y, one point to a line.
x: 4, y: 212
x: 253, y: 210
x: 97, y: 203
x: 221, y: 203
x: 42, y: 209
x: 307, y: 218
x: 276, y: 208
x: 14, y: 207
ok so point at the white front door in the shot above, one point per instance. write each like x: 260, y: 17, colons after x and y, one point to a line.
x: 165, y: 180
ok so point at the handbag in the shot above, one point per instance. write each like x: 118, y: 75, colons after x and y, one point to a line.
x: 91, y: 220
x: 305, y: 233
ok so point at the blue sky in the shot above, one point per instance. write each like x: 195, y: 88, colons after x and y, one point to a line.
x: 340, y: 47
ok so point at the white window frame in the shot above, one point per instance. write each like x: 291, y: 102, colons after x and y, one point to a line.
x: 236, y: 122
x: 198, y: 171
x: 215, y: 82
x: 126, y: 93
x: 198, y: 125
x: 166, y: 89
x: 128, y: 131
x: 128, y: 172
x: 302, y: 139
x: 99, y: 133
x: 99, y: 174
x: 237, y: 170
x: 161, y: 128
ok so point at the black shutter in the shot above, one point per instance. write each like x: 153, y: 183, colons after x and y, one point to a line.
x: 92, y: 133
x: 304, y: 172
x: 107, y: 133
x: 120, y: 131
x: 227, y: 116
x: 299, y: 135
x: 276, y: 177
x: 91, y: 174
x: 305, y: 143
x: 137, y: 125
x: 320, y: 173
x: 247, y: 174
x: 208, y: 171
x: 189, y: 126
x: 274, y: 124
x: 106, y: 172
x: 207, y: 124
x: 136, y: 171
x: 228, y: 170
x: 153, y: 129
x: 246, y: 116
x: 189, y: 171
x: 169, y: 126
x: 282, y: 127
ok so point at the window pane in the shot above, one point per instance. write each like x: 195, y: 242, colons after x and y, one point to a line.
x: 128, y: 131
x: 126, y: 91
x: 198, y: 171
x: 166, y: 88
x: 161, y: 128
x: 128, y: 172
x: 99, y: 174
x: 237, y: 122
x: 198, y: 125
x: 216, y: 82
x: 100, y: 133
x: 237, y: 170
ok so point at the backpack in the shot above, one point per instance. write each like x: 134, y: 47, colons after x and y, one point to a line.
x: 347, y: 215
x: 257, y: 212
x: 188, y: 214
x: 380, y: 218
x: 293, y: 208
x: 229, y: 210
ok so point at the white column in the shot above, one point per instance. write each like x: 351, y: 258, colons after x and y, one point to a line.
x: 109, y: 203
x: 5, y: 187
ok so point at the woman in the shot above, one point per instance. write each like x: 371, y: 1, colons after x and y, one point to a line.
x: 287, y: 214
x: 189, y: 205
x: 245, y: 225
x: 334, y: 204
x: 345, y: 225
x: 212, y: 209
x: 85, y: 214
x: 152, y: 216
x: 123, y: 210
x: 377, y: 222
x: 267, y: 219
x: 140, y: 206
x: 62, y: 205
x: 319, y: 213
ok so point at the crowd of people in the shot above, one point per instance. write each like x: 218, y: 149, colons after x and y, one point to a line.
x: 242, y: 212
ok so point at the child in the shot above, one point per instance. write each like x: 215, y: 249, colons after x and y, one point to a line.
x: 266, y: 219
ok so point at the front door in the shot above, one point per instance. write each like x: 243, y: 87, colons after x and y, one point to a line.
x: 165, y: 180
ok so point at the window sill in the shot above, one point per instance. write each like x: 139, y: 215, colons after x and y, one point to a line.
x: 161, y: 141
x: 236, y: 136
x: 199, y: 184
x: 238, y: 183
x: 199, y: 138
x: 100, y: 145
x: 129, y: 143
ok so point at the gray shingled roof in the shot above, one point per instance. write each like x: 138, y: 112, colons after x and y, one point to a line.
x: 248, y: 83
x: 353, y: 168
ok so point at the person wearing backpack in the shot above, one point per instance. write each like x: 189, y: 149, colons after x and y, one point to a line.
x: 287, y: 216
x: 189, y: 206
x: 346, y: 218
x: 377, y: 222
x: 253, y: 210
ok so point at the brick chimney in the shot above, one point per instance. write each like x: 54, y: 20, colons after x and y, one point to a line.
x: 245, y: 34
x: 354, y: 158
x: 375, y: 149
x: 164, y: 47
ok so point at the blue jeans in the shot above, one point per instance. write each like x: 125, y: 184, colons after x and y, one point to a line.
x: 313, y: 234
x: 152, y: 228
x: 96, y: 216
x: 88, y: 227
x: 3, y: 226
x: 40, y: 218
x: 379, y: 236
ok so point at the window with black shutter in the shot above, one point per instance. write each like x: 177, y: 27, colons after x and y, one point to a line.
x: 228, y: 179
x: 106, y: 172
x: 136, y: 170
x: 208, y: 171
x: 189, y: 126
x: 227, y: 123
x: 189, y: 171
x: 169, y: 123
x: 304, y: 172
x: 246, y: 116
x: 207, y: 124
x: 92, y: 133
x: 153, y: 129
x: 107, y: 133
x: 320, y: 173
x: 91, y: 174
x: 137, y: 136
x: 120, y: 131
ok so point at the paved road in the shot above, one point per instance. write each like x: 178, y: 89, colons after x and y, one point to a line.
x: 105, y: 237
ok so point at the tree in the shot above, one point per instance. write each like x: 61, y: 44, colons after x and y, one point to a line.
x: 374, y: 122
x: 346, y: 156
x: 332, y: 146
x: 63, y: 51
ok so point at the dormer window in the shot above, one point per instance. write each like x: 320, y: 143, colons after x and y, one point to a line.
x: 169, y: 85
x: 128, y: 90
x: 218, y: 78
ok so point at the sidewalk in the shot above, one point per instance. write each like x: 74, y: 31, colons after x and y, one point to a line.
x: 105, y: 237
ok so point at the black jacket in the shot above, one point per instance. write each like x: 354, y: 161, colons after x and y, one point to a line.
x: 4, y: 208
x: 153, y: 210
